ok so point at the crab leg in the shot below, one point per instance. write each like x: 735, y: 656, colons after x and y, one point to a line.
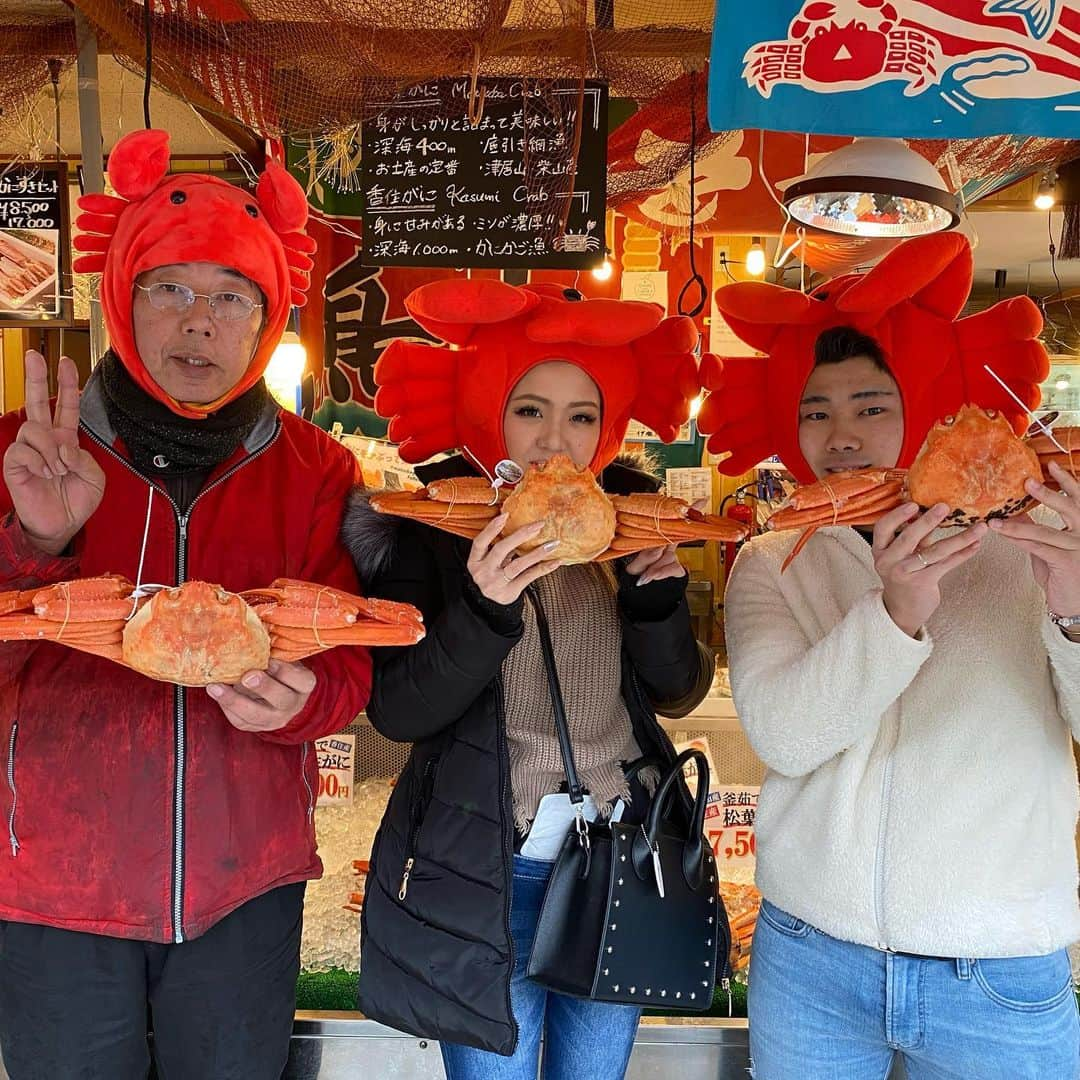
x: 875, y: 501
x: 305, y: 618
x: 701, y: 527
x: 461, y: 519
x: 857, y: 498
x: 30, y: 628
x: 288, y: 647
x: 651, y: 506
x: 362, y: 633
x: 458, y: 490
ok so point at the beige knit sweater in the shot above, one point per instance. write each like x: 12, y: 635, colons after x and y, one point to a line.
x: 583, y: 618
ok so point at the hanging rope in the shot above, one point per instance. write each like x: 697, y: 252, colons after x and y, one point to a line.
x: 148, y: 36
x: 695, y: 280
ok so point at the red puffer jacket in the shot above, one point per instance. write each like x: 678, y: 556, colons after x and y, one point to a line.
x: 132, y: 807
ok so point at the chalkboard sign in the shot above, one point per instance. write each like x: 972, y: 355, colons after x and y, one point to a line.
x: 439, y: 192
x: 33, y: 235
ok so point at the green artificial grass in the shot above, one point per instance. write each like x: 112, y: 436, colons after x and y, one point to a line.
x: 335, y: 990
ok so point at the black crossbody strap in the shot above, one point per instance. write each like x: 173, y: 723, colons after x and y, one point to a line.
x: 573, y: 783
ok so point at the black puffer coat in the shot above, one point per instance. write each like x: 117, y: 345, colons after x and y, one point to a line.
x: 437, y: 957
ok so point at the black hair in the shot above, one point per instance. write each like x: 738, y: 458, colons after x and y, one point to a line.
x: 844, y: 343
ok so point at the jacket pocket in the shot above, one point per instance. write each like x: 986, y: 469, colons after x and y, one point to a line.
x: 422, y: 792
x: 12, y: 837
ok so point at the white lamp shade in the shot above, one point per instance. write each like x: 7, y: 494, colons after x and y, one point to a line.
x: 873, y: 187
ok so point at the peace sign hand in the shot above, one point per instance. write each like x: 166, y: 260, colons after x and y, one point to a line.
x: 54, y: 484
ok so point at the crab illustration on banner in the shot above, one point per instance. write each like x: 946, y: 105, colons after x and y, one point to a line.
x: 913, y: 68
x: 910, y: 304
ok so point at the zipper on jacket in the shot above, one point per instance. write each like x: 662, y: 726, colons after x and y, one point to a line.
x: 180, y: 698
x: 307, y: 782
x: 14, y: 794
x: 419, y: 806
x: 508, y: 847
x: 879, y: 853
x: 180, y: 754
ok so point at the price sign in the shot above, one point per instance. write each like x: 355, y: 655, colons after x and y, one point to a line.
x: 33, y: 238
x: 336, y: 754
x: 729, y: 824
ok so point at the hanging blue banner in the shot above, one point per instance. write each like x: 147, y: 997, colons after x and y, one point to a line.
x: 949, y: 69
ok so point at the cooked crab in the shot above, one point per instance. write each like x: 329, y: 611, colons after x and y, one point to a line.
x: 199, y: 633
x: 464, y: 506
x: 973, y: 462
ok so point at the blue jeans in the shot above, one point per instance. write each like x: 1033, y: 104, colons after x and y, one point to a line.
x: 823, y: 1009
x: 583, y: 1040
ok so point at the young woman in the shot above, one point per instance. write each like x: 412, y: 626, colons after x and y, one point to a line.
x: 469, y: 837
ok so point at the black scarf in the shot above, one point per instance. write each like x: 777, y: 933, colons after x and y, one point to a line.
x: 164, y: 445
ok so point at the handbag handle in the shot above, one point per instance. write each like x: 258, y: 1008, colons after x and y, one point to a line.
x: 573, y: 783
x: 645, y: 843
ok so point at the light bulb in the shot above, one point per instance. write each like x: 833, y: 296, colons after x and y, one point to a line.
x: 287, y: 363
x: 695, y: 406
x: 603, y: 271
x: 755, y: 259
x: 1046, y: 195
x: 285, y: 371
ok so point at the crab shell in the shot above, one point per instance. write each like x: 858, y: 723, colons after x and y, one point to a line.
x: 974, y: 463
x: 195, y: 635
x: 568, y: 500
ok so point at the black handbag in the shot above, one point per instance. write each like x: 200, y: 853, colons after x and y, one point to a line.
x: 631, y: 913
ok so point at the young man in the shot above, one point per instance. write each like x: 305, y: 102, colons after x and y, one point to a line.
x: 914, y: 702
x: 159, y: 838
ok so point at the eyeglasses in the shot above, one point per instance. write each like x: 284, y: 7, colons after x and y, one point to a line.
x: 227, y: 306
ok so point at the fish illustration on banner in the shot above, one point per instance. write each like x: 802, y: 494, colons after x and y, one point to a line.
x: 908, y: 68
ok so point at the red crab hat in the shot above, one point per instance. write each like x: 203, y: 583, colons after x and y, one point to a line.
x: 192, y: 217
x: 439, y: 399
x: 910, y: 304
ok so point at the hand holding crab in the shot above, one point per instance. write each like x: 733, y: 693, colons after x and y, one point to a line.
x: 1055, y: 553
x: 500, y: 575
x: 265, y: 700
x: 911, y: 568
x: 55, y: 485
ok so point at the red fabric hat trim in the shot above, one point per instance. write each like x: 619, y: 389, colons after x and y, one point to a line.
x: 439, y: 399
x: 909, y: 303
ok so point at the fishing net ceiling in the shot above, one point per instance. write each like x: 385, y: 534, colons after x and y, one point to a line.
x: 317, y: 66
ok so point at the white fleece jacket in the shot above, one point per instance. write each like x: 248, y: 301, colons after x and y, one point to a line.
x: 921, y: 794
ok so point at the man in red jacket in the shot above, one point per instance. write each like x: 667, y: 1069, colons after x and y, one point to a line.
x: 159, y: 838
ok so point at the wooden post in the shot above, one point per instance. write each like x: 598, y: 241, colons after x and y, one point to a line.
x: 91, y: 152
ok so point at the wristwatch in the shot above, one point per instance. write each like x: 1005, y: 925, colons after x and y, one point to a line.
x: 1067, y: 624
